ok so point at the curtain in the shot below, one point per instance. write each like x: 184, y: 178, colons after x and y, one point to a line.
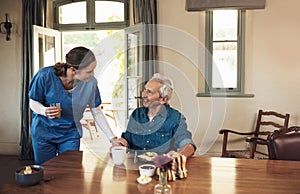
x: 145, y: 11
x: 33, y: 13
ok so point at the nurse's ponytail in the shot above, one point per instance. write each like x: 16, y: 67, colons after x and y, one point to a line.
x: 60, y: 69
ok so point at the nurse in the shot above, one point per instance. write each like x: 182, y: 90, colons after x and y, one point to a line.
x: 73, y: 87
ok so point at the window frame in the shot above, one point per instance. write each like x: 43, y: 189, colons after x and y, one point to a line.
x: 229, y: 92
x: 90, y: 11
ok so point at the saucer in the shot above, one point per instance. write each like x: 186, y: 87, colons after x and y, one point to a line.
x: 144, y: 179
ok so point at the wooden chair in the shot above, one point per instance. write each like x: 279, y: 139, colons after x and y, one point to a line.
x: 89, y: 123
x: 284, y: 144
x: 267, y: 122
x: 106, y: 107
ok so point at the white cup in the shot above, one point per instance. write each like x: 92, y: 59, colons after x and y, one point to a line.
x: 118, y: 154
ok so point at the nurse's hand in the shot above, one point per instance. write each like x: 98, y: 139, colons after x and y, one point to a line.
x: 52, y: 112
x: 119, y: 142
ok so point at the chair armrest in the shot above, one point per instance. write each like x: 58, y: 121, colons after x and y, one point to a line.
x: 244, y: 133
x: 222, y: 131
x: 264, y: 133
x: 257, y: 140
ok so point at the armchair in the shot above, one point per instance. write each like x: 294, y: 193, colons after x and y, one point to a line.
x: 284, y: 144
x: 267, y: 122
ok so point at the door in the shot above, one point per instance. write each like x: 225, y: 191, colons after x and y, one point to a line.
x: 134, y: 57
x: 46, y: 47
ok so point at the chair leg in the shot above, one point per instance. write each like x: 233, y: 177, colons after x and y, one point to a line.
x: 92, y: 123
x: 224, y: 147
x: 113, y: 117
x: 87, y: 126
x: 91, y: 135
x: 252, y: 149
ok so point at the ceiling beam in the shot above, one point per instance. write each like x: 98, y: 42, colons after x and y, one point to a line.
x: 202, y: 5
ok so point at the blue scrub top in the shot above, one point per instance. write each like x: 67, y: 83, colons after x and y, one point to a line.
x: 46, y: 88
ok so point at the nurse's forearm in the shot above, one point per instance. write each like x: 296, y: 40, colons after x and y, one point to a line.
x: 37, y: 107
x: 102, y: 122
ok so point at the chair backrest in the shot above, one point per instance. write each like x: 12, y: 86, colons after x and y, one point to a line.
x: 271, y: 119
x: 284, y: 144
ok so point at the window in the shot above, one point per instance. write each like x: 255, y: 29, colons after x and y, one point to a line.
x: 91, y: 14
x: 225, y: 34
x: 67, y: 16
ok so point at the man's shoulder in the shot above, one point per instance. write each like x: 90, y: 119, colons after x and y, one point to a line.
x: 139, y: 110
x: 173, y: 111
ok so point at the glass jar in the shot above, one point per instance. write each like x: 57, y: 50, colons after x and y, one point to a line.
x: 162, y: 187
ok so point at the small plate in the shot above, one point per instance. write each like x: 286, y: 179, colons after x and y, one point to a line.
x: 148, y: 156
x: 144, y: 179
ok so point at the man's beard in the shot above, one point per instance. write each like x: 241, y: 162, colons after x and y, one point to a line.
x: 148, y: 103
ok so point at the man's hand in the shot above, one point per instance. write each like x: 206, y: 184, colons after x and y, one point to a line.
x: 187, y: 150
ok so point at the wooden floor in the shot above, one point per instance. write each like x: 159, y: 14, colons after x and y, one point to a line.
x: 8, y: 165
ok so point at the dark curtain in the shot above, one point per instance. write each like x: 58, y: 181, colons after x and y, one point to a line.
x: 145, y: 11
x: 33, y: 13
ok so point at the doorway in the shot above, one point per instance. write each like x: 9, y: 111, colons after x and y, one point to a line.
x: 119, y: 69
x: 108, y: 47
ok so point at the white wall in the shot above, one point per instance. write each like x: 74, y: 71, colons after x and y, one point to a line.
x: 10, y: 79
x: 272, y: 69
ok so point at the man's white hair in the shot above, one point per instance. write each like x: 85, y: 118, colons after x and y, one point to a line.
x: 167, y: 85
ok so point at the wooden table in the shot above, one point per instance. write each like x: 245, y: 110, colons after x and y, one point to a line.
x: 83, y: 172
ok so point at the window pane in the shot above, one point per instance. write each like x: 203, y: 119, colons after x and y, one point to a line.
x: 225, y: 24
x: 133, y: 54
x: 46, y: 49
x: 224, y: 65
x: 72, y: 13
x: 107, y: 11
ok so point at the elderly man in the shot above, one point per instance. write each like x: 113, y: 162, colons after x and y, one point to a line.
x: 156, y: 126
